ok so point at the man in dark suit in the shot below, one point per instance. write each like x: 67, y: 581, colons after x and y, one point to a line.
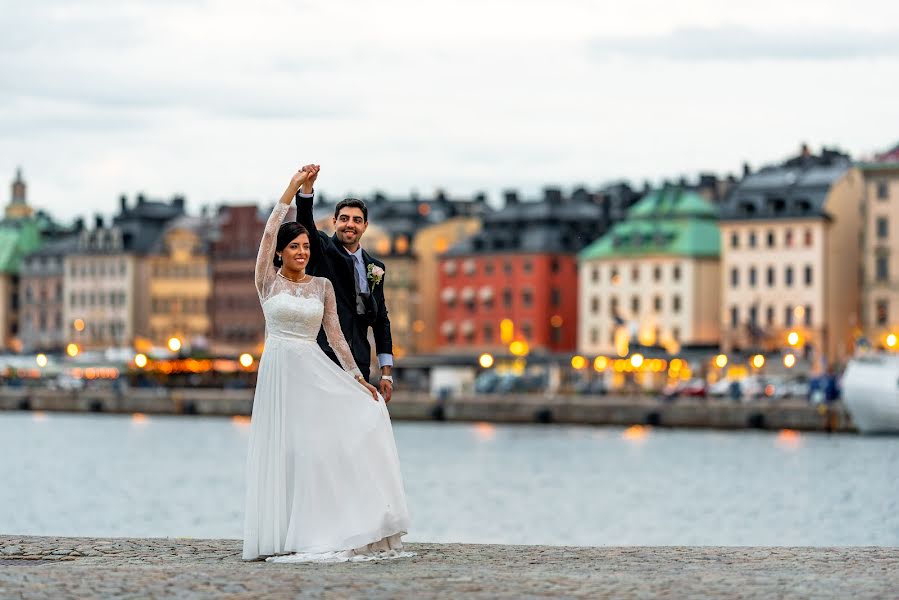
x: 358, y: 280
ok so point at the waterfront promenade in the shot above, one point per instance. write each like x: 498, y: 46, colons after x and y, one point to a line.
x: 507, y: 408
x: 44, y: 567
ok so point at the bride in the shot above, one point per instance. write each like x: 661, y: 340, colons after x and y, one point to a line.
x: 323, y: 475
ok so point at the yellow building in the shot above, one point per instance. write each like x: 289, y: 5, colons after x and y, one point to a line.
x: 790, y: 258
x: 880, y: 272
x: 180, y: 285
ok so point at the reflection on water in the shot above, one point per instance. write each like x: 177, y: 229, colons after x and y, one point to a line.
x: 139, y: 475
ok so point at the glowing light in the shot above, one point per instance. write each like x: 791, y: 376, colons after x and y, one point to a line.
x: 721, y: 361
x: 241, y: 420
x: 245, y: 360
x: 41, y: 360
x: 140, y: 360
x: 891, y: 340
x: 174, y: 344
x: 506, y: 331
x: 635, y: 432
x: 793, y: 338
x: 758, y: 361
x: 519, y: 348
x: 418, y: 326
x: 39, y: 416
x: 789, y: 361
x: 78, y: 324
x: 578, y: 362
x: 556, y: 321
x: 72, y: 350
x: 637, y: 361
x: 139, y: 418
x: 601, y: 363
x: 485, y: 360
x: 789, y: 438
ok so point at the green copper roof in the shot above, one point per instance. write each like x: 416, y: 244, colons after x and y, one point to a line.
x: 667, y: 222
x: 15, y: 242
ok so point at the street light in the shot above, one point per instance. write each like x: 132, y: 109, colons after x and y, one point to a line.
x: 600, y: 363
x: 793, y: 338
x: 72, y: 350
x: 246, y: 360
x: 140, y: 360
x: 758, y: 361
x: 891, y: 341
x: 485, y: 360
x: 789, y: 360
x: 578, y: 362
x: 41, y: 360
x: 174, y: 344
x: 721, y: 361
x: 78, y: 324
x: 637, y: 361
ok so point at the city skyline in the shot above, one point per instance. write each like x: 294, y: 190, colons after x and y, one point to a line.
x: 221, y: 105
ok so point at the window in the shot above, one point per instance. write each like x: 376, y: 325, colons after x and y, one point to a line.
x: 488, y: 333
x: 788, y: 238
x: 469, y: 267
x: 883, y: 190
x: 675, y: 333
x: 594, y: 305
x: 635, y: 304
x: 788, y: 316
x: 527, y: 331
x: 635, y: 274
x: 677, y: 272
x: 769, y: 315
x: 808, y: 275
x: 449, y: 267
x: 507, y: 267
x: 734, y: 316
x: 613, y: 276
x: 488, y: 267
x: 882, y: 268
x: 657, y: 303
x: 770, y: 239
x: 554, y: 265
x: 527, y: 297
x: 556, y: 296
x: 753, y: 314
x: 675, y: 303
x: 788, y: 276
x: 594, y: 335
x: 882, y: 310
x: 770, y: 276
x: 613, y: 307
x: 555, y: 335
x: 809, y: 237
x: 657, y: 273
x: 734, y: 240
x: 528, y: 266
x: 734, y: 277
x: 883, y: 229
x: 752, y: 277
x: 594, y: 276
x: 808, y: 315
x: 507, y: 298
x: 752, y: 240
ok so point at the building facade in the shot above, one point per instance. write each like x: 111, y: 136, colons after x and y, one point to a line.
x: 653, y: 279
x: 880, y: 270
x: 790, y: 257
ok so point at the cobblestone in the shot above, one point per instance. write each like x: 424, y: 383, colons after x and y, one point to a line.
x: 48, y: 567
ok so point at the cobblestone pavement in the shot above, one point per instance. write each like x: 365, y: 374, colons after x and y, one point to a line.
x: 46, y: 567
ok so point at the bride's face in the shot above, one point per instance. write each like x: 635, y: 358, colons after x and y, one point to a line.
x: 296, y: 254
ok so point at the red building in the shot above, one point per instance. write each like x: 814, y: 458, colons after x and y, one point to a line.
x: 521, y: 268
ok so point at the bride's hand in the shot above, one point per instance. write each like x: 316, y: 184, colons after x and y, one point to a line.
x: 371, y: 389
x: 299, y: 177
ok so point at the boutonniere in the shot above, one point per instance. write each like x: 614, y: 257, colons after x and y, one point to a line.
x: 375, y: 274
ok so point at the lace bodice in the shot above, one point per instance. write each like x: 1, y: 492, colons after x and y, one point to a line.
x: 296, y: 311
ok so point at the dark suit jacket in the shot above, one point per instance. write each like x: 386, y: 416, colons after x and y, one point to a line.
x: 329, y: 259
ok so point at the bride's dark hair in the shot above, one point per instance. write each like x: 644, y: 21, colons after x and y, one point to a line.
x: 287, y: 233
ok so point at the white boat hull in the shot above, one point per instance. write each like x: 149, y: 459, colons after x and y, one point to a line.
x: 871, y: 393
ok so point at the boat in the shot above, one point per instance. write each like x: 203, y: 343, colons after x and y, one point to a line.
x: 871, y: 393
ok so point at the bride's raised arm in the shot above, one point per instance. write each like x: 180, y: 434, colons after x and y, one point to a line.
x: 331, y: 325
x: 265, y: 271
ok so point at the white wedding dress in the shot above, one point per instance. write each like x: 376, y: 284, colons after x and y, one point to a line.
x: 323, y: 475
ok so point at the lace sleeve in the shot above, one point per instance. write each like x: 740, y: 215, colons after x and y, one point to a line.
x: 265, y: 271
x: 331, y: 325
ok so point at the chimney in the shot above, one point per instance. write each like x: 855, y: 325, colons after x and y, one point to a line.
x: 79, y: 224
x: 804, y: 151
x: 123, y: 203
x: 98, y: 221
x: 480, y: 198
x: 552, y: 196
x: 747, y: 171
x: 141, y: 199
x: 511, y: 197
x: 178, y: 202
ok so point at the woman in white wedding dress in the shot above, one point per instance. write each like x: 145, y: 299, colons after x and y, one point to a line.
x: 323, y: 475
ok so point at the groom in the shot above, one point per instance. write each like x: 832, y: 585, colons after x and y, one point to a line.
x: 357, y: 277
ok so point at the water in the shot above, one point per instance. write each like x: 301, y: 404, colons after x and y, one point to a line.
x: 106, y: 475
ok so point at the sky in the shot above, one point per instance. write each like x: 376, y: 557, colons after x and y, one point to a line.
x: 222, y: 101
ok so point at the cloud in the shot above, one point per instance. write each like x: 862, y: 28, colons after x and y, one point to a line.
x: 743, y: 44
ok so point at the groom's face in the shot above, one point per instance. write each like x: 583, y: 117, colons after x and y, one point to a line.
x: 349, y: 225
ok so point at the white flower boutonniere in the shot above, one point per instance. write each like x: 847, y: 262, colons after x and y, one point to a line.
x: 375, y: 274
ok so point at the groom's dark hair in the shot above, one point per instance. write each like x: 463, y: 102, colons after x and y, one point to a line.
x: 352, y: 203
x: 287, y: 233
